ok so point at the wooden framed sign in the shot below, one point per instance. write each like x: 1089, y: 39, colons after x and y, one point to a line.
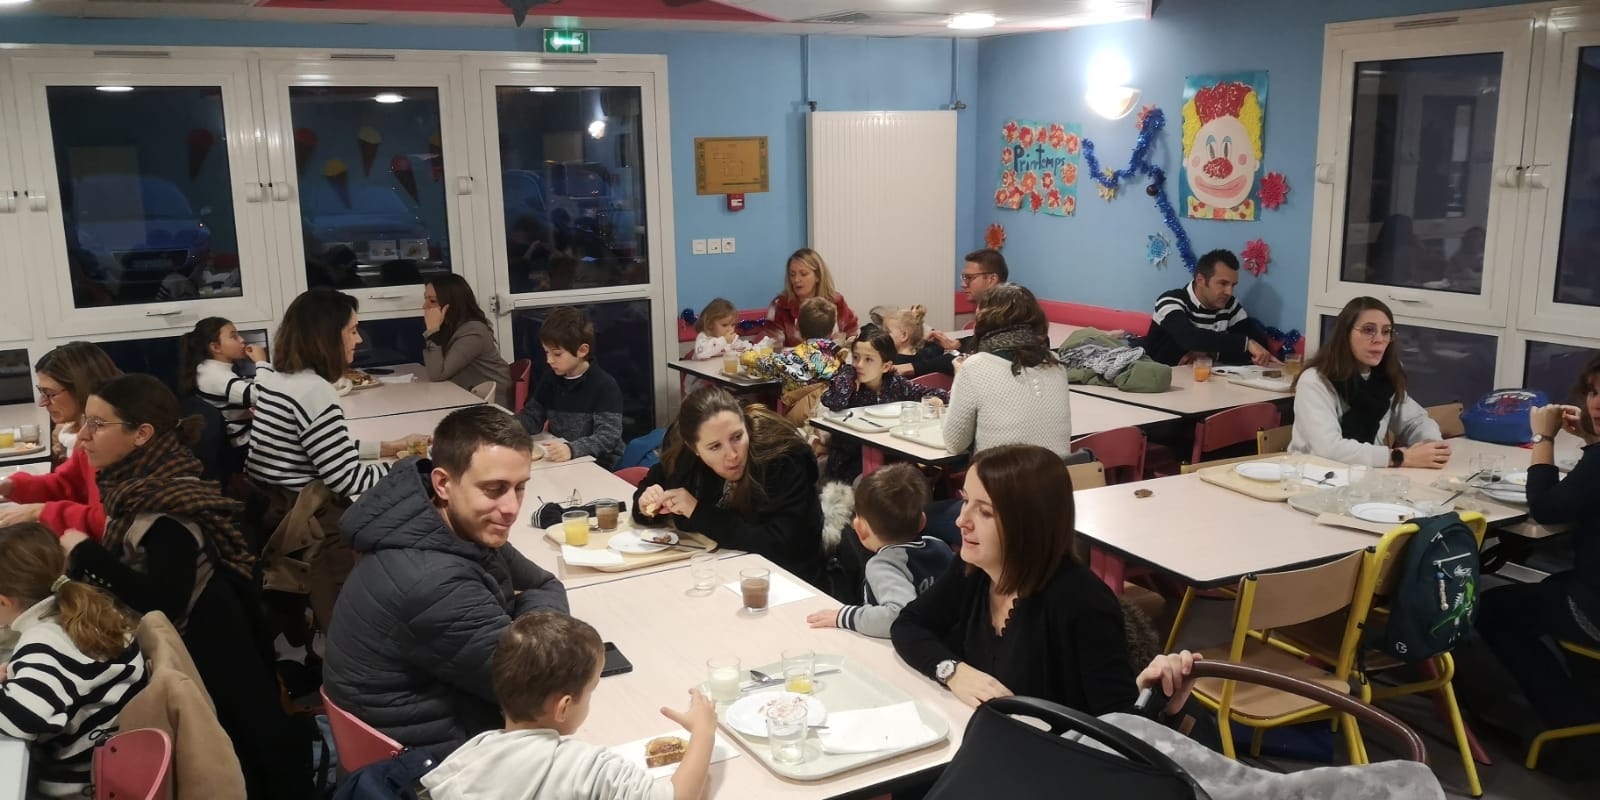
x: 730, y: 164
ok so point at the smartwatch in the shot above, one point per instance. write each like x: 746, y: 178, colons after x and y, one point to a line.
x: 944, y: 671
x: 1397, y: 457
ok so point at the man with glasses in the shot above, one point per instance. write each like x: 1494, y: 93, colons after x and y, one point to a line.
x: 1205, y: 318
x: 983, y: 270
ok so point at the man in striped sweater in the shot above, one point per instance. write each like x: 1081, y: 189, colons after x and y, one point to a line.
x: 1205, y: 317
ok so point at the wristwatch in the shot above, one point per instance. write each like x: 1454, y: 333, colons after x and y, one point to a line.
x: 1397, y: 457
x: 1539, y: 437
x: 945, y: 670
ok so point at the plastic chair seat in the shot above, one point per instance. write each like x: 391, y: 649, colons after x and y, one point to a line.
x: 1263, y: 702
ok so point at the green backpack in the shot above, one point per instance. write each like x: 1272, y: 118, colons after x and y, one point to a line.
x: 1435, y: 599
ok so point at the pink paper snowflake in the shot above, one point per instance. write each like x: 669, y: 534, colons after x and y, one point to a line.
x: 1256, y: 255
x: 1274, y: 189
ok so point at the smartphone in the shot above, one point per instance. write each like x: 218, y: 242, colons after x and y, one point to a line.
x: 616, y: 662
x: 378, y: 371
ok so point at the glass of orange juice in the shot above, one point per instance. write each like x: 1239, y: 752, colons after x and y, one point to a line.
x: 1291, y: 365
x: 575, y: 526
x: 799, y: 671
x: 1202, y: 369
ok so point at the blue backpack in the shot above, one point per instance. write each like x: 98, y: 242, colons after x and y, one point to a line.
x: 1435, y: 599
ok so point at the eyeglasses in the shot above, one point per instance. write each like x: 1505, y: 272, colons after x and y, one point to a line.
x: 1374, y: 333
x: 966, y: 279
x: 47, y: 395
x: 92, y: 424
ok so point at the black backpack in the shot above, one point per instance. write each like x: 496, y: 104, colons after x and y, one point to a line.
x: 1435, y: 599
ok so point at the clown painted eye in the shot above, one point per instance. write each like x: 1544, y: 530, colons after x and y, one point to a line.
x: 1227, y: 144
x: 1211, y: 145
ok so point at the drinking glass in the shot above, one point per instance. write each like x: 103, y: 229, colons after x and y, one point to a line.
x: 605, y: 514
x: 799, y: 670
x: 703, y: 571
x: 730, y: 364
x: 575, y: 526
x: 1202, y: 369
x: 786, y: 731
x: 1291, y: 365
x: 932, y: 409
x: 755, y: 584
x: 29, y: 434
x: 8, y: 438
x: 1358, y: 488
x: 1289, y: 473
x: 910, y: 415
x: 722, y: 678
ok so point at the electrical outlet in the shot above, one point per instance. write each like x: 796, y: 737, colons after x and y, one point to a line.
x: 699, y: 247
x: 727, y: 244
x: 713, y: 246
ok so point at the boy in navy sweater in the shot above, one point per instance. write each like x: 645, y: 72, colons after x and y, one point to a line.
x: 889, y: 522
x: 580, y: 401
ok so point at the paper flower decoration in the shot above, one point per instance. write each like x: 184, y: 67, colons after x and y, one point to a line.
x: 1144, y: 113
x: 995, y: 237
x: 1256, y: 256
x: 1274, y: 189
x: 1156, y: 250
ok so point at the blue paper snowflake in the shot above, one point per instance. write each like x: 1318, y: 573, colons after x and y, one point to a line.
x: 1156, y: 250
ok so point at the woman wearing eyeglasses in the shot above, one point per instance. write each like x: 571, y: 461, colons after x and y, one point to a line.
x: 67, y: 498
x: 1351, y: 397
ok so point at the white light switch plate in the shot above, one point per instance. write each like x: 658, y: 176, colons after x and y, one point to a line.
x: 713, y: 246
x: 699, y: 246
x: 727, y: 244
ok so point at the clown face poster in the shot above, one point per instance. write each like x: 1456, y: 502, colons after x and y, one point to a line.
x: 1223, y: 129
x: 1039, y: 167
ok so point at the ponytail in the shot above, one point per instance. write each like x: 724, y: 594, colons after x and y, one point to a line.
x: 196, y: 350
x: 31, y: 567
x: 93, y: 621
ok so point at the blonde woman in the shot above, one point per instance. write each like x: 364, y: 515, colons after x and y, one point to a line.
x: 808, y: 277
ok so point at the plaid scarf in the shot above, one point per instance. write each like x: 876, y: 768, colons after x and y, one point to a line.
x: 160, y: 478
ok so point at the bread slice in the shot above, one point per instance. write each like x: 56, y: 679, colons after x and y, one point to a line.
x: 664, y: 750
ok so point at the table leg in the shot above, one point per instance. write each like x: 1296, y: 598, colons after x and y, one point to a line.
x: 871, y: 459
x: 1479, y: 755
x: 1108, y: 568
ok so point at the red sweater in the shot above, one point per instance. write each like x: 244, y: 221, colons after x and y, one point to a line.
x: 783, y: 319
x: 71, y: 498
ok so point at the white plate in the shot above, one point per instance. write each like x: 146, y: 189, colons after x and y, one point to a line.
x: 1384, y: 513
x: 1516, y: 479
x: 629, y: 542
x: 1506, y: 494
x: 748, y: 714
x: 1265, y: 471
x: 883, y: 410
x: 20, y: 450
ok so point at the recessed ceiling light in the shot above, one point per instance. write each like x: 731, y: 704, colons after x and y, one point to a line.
x: 542, y: 89
x: 14, y: 2
x: 113, y: 89
x: 389, y: 97
x: 971, y: 21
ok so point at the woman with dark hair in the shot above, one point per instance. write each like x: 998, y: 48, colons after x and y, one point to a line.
x: 1352, y: 395
x: 1518, y: 620
x: 742, y: 476
x: 170, y: 545
x: 1017, y: 613
x: 459, y: 344
x: 1012, y: 390
x: 66, y: 498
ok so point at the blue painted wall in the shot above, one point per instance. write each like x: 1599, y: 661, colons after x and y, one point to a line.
x: 1097, y: 256
x: 720, y: 85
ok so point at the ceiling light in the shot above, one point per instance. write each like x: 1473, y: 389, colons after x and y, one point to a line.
x: 112, y: 89
x: 389, y: 97
x: 1112, y: 102
x: 542, y: 89
x: 14, y: 2
x: 971, y: 21
x: 597, y: 129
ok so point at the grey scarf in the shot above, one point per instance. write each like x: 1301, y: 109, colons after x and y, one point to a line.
x: 1002, y: 341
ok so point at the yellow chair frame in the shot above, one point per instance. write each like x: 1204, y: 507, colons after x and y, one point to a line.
x: 1270, y: 441
x: 1573, y: 731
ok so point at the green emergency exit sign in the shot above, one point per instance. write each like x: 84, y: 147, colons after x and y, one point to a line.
x: 564, y: 41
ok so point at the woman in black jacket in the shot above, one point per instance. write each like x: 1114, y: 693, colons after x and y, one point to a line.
x: 742, y: 476
x: 1517, y: 619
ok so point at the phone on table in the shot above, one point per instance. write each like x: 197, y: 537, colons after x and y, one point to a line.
x: 378, y: 371
x: 616, y: 662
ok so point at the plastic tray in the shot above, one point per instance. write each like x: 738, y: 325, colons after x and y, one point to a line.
x: 598, y: 540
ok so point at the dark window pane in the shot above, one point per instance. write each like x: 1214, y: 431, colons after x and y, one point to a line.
x: 158, y: 357
x: 1421, y: 151
x: 1578, y: 264
x: 1442, y: 366
x: 16, y: 379
x: 1553, y: 369
x: 573, y: 182
x: 389, y: 341
x: 146, y: 196
x: 372, y: 192
x: 623, y: 348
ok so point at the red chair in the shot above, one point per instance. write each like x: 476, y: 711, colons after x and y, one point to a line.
x: 934, y: 380
x: 521, y: 377
x: 358, y: 743
x: 1120, y: 450
x: 632, y: 474
x: 133, y: 765
x: 1231, y: 427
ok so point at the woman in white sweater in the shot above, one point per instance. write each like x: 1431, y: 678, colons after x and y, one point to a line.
x: 1350, y: 402
x: 1012, y: 390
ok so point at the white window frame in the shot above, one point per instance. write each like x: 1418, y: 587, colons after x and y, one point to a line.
x: 33, y: 73
x: 17, y: 323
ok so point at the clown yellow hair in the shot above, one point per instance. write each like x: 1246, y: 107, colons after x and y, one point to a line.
x: 1249, y: 116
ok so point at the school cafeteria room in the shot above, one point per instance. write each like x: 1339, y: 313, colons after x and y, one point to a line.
x: 869, y: 399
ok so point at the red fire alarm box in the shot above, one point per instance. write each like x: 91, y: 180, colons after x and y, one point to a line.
x: 736, y: 202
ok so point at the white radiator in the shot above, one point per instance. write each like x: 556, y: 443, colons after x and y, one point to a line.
x: 883, y: 207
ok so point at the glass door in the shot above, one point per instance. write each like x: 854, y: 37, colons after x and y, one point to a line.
x: 144, y: 192
x: 1418, y: 174
x: 1562, y: 290
x: 368, y: 175
x: 576, y: 178
x: 16, y: 324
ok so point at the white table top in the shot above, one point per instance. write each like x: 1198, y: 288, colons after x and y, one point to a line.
x: 1511, y: 518
x: 420, y: 394
x: 396, y: 426
x: 13, y: 768
x: 1186, y: 397
x: 711, y: 369
x: 668, y: 635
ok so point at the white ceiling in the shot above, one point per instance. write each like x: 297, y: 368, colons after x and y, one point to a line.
x: 884, y: 17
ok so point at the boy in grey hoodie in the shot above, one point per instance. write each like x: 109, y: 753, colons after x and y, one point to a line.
x: 546, y: 669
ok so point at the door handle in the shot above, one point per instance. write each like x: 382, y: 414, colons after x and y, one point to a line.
x: 8, y: 201
x: 1535, y: 176
x: 253, y: 192
x: 1406, y: 297
x: 464, y: 184
x: 37, y: 201
x: 172, y: 313
x: 385, y: 297
x: 280, y: 190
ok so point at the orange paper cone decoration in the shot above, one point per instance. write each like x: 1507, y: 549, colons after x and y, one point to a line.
x: 305, y: 145
x: 436, y: 151
x: 400, y: 167
x: 200, y: 142
x: 369, y: 139
x: 338, y: 176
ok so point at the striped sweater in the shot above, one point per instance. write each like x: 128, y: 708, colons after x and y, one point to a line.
x: 61, y: 701
x: 217, y: 384
x: 299, y: 436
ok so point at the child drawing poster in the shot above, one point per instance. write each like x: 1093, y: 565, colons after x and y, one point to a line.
x: 1223, y: 128
x: 1039, y: 167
